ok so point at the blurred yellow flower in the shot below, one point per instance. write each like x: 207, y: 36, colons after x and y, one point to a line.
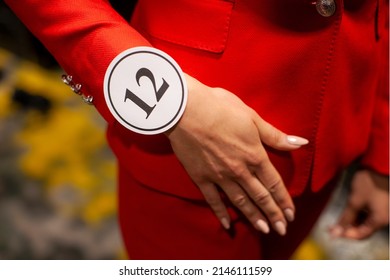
x: 309, y: 250
x: 100, y: 207
x: 65, y: 148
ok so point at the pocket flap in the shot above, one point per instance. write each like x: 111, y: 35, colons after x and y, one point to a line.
x: 197, y: 24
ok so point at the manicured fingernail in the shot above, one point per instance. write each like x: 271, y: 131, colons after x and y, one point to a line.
x: 225, y: 223
x: 296, y: 140
x: 262, y: 226
x: 336, y: 231
x: 280, y: 228
x: 289, y: 213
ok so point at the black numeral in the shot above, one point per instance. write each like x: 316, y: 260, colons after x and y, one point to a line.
x: 144, y: 72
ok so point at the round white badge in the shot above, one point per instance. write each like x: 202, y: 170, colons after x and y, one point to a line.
x: 145, y: 90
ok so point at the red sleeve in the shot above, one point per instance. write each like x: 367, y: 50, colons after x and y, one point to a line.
x: 377, y: 155
x: 84, y: 36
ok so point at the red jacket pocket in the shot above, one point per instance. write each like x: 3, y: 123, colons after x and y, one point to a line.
x: 201, y: 25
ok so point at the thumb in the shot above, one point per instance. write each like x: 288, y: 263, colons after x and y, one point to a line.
x: 277, y: 139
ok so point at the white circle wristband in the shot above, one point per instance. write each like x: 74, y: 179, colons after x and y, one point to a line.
x: 145, y: 90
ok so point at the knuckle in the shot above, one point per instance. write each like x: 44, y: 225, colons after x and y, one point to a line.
x: 237, y: 171
x: 273, y: 186
x: 276, y: 136
x: 219, y: 176
x: 240, y: 201
x: 198, y: 176
x: 255, y: 159
x: 262, y: 198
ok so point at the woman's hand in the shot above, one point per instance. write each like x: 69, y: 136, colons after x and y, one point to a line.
x: 219, y: 142
x: 367, y: 209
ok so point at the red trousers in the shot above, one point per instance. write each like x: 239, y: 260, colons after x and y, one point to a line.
x: 149, y: 218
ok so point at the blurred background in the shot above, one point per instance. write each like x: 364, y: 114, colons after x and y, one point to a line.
x: 58, y: 176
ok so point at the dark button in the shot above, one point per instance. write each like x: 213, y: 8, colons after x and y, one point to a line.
x: 326, y: 8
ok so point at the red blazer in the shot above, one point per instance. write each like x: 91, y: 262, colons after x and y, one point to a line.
x: 323, y: 78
